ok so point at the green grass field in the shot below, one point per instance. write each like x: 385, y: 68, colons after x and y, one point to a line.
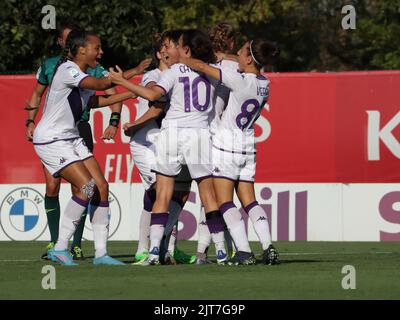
x: 309, y: 270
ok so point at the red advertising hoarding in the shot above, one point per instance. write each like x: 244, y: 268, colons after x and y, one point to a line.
x: 321, y: 127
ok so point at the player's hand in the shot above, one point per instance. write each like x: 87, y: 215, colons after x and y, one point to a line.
x: 116, y: 77
x: 127, y: 127
x: 143, y: 65
x: 220, y: 56
x: 29, y: 131
x: 109, y: 133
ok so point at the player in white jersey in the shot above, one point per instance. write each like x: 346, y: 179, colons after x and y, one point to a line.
x: 223, y: 41
x: 142, y: 145
x: 62, y: 151
x: 234, y: 151
x: 184, y: 137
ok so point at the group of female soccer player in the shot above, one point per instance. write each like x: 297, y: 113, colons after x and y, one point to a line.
x: 208, y: 101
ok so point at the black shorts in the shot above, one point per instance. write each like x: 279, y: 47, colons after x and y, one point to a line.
x: 85, y: 131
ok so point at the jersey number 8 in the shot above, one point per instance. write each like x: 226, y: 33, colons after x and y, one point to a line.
x: 251, y: 110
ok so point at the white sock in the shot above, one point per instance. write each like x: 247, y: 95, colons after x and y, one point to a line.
x: 219, y: 240
x: 157, y: 227
x: 173, y: 238
x: 236, y: 226
x: 100, y: 225
x: 144, y: 232
x: 260, y: 222
x: 204, y: 239
x: 70, y: 221
x: 216, y: 226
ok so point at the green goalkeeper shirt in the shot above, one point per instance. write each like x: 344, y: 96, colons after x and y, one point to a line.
x: 46, y: 73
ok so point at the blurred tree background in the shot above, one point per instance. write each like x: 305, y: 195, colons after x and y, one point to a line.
x: 309, y: 32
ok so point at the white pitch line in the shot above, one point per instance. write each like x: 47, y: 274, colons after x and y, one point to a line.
x: 21, y: 260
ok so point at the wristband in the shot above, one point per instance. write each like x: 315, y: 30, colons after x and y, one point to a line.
x: 114, y: 119
x: 28, y: 122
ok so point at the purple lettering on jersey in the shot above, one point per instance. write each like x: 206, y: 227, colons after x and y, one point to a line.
x: 245, y: 119
x: 186, y: 92
x: 262, y: 91
x: 184, y: 69
x: 195, y: 94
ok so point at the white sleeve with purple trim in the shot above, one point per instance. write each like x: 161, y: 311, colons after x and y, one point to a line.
x: 232, y: 79
x: 70, y: 73
x: 167, y: 79
x: 151, y: 76
x: 143, y: 104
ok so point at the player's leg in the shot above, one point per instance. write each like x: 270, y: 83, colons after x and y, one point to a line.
x: 182, y: 188
x: 159, y: 215
x: 143, y: 156
x: 85, y: 133
x: 171, y: 234
x: 99, y: 214
x: 226, y: 173
x: 183, y: 184
x: 142, y: 251
x: 233, y: 219
x: 168, y: 243
x: 259, y: 218
x: 77, y: 174
x: 167, y: 167
x: 197, y: 153
x: 76, y: 246
x: 52, y: 207
x: 204, y: 239
x: 214, y: 218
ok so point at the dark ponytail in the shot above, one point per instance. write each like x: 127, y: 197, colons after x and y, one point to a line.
x: 263, y: 52
x: 200, y: 45
x: 76, y: 38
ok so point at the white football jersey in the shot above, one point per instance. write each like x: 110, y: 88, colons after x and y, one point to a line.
x: 248, y: 95
x: 142, y: 136
x: 221, y: 96
x: 64, y: 106
x: 143, y: 104
x: 191, y: 97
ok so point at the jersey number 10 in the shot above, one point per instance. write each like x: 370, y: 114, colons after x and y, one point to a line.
x: 195, y: 93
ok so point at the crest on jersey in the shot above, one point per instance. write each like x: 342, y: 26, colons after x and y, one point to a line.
x: 74, y: 73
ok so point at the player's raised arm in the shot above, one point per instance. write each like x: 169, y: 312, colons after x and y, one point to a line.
x: 139, y: 69
x: 105, y: 83
x: 200, y: 66
x: 150, y: 94
x: 96, y: 84
x: 106, y: 100
x: 153, y: 113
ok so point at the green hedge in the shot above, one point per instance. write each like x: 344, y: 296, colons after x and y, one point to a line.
x: 309, y: 32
